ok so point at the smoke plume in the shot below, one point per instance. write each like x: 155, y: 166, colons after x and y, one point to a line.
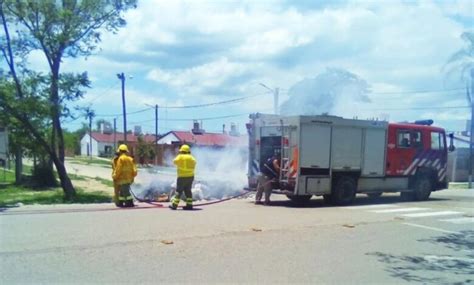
x: 336, y: 92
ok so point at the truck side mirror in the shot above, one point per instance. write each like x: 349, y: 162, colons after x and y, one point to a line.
x: 451, y: 145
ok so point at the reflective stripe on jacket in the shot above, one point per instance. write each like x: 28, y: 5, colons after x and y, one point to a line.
x: 125, y: 170
x: 185, y: 163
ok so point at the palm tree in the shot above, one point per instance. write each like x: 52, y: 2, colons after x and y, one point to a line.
x: 463, y: 61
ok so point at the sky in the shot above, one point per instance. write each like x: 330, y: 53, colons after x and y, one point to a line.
x: 371, y: 59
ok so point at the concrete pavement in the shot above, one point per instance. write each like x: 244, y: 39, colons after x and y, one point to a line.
x: 371, y: 242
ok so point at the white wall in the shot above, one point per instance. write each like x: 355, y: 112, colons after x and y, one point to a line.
x: 85, y: 142
x: 168, y: 139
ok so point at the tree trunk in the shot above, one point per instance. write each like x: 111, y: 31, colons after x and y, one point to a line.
x: 18, y: 167
x: 66, y: 184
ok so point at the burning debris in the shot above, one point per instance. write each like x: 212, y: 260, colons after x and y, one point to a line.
x: 220, y: 174
x: 163, y: 190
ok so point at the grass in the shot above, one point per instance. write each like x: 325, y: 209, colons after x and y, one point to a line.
x: 13, y: 194
x: 88, y: 161
x: 461, y: 185
x: 106, y: 182
x: 7, y: 176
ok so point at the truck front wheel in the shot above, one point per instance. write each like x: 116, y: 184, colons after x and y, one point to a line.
x: 423, y: 187
x: 344, y: 191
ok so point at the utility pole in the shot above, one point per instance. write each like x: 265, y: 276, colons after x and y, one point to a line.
x: 90, y: 114
x: 156, y: 134
x: 276, y: 93
x: 121, y: 76
x: 156, y: 123
x: 115, y: 135
x: 471, y: 131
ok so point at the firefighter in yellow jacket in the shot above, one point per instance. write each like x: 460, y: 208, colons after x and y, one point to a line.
x: 124, y: 174
x: 116, y: 186
x: 185, y: 164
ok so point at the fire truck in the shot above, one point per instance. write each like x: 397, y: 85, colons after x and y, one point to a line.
x: 337, y: 158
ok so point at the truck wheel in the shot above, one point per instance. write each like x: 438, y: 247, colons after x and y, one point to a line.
x: 423, y: 187
x: 299, y: 199
x: 407, y: 196
x: 344, y: 191
x: 374, y: 195
x: 327, y: 199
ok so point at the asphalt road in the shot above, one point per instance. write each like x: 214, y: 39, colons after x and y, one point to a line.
x: 383, y: 241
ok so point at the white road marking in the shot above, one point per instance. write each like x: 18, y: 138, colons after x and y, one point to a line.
x: 430, y: 228
x: 371, y: 206
x: 436, y: 258
x: 400, y: 210
x: 431, y: 214
x: 463, y: 220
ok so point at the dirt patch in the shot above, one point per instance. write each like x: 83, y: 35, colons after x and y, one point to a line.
x: 92, y: 185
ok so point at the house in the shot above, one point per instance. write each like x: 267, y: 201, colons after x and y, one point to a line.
x: 105, y: 143
x: 197, y: 138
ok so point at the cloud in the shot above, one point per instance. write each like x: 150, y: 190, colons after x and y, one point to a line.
x: 188, y: 52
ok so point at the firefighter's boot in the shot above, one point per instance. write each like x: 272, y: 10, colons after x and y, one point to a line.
x: 175, y: 202
x: 189, y: 204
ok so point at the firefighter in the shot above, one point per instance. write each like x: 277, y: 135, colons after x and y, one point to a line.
x: 269, y: 172
x: 185, y: 164
x: 124, y: 174
x: 116, y: 186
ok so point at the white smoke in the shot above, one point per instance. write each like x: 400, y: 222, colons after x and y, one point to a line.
x: 336, y: 92
x: 220, y: 173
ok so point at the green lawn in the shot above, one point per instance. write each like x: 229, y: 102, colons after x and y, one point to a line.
x: 12, y: 194
x: 458, y: 185
x: 88, y: 161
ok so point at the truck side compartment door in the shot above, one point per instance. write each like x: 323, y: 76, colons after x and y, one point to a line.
x: 346, y: 148
x: 315, y: 148
x: 374, y: 152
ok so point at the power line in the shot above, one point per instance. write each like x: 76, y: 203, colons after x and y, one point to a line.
x: 182, y: 107
x: 103, y: 93
x: 119, y: 115
x: 420, y: 108
x: 419, y: 91
x: 210, y: 104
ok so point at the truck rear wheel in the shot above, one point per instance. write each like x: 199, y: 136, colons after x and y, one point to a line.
x: 299, y: 199
x: 423, y: 187
x: 327, y: 199
x: 344, y: 191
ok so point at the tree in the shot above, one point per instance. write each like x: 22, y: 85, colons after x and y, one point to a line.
x: 462, y: 62
x: 59, y: 29
x: 145, y: 150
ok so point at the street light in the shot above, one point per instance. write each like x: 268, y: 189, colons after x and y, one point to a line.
x: 275, y: 92
x: 156, y: 129
x: 121, y: 76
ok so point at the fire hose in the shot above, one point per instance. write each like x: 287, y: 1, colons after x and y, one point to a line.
x: 152, y: 203
x: 159, y: 205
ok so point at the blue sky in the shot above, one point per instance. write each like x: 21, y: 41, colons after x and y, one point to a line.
x: 183, y: 53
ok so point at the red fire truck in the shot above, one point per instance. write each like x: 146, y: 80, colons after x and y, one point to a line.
x: 336, y: 158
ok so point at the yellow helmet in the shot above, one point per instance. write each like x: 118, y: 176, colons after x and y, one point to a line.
x: 123, y: 147
x: 185, y: 148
